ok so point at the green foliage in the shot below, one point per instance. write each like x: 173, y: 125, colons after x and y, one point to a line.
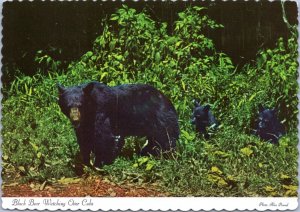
x: 271, y: 81
x: 34, y: 144
x: 39, y: 142
x: 140, y: 50
x: 230, y: 164
x: 45, y: 62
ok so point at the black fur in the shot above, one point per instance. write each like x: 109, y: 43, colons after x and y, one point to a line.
x: 203, y: 118
x: 268, y: 126
x: 108, y: 113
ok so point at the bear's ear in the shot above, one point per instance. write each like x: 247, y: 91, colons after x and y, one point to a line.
x: 88, y: 88
x: 206, y: 108
x: 274, y: 110
x: 61, y: 89
x: 261, y: 108
x: 196, y: 103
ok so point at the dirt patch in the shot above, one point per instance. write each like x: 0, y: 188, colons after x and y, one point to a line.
x: 77, y: 187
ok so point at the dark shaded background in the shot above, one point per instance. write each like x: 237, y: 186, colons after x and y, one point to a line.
x: 73, y: 26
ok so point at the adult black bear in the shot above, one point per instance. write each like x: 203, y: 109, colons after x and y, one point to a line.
x: 100, y: 113
x: 269, y: 128
x: 203, y: 118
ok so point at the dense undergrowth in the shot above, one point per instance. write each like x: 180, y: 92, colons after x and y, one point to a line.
x: 39, y: 142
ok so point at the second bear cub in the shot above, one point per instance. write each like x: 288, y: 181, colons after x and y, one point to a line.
x: 203, y: 118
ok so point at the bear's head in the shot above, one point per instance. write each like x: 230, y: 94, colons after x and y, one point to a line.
x: 200, y: 114
x: 74, y: 102
x: 266, y: 118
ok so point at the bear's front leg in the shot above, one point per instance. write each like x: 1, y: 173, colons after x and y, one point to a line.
x: 206, y: 135
x: 85, y: 145
x: 202, y: 130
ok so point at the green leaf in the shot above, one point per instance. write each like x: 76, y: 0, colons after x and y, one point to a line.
x: 284, y: 176
x: 112, y: 45
x: 247, y: 151
x: 39, y: 154
x: 142, y: 160
x: 183, y: 85
x: 149, y: 166
x: 114, y: 17
x: 199, y: 8
x: 157, y: 57
x: 48, y: 60
x: 254, y: 95
x: 21, y: 168
x: 291, y: 187
x: 5, y: 157
x: 104, y: 74
x: 118, y: 57
x: 64, y: 180
x: 178, y: 43
x: 216, y: 170
x: 269, y: 188
x: 221, y: 154
x: 35, y: 147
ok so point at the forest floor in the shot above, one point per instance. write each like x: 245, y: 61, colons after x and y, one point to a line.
x: 80, y: 187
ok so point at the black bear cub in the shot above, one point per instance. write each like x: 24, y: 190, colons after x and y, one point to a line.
x: 268, y: 127
x: 203, y: 118
x: 100, y: 114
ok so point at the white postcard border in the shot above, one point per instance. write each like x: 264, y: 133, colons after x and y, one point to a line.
x: 150, y: 203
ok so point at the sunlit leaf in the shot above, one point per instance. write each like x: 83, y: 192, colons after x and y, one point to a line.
x: 269, y: 188
x: 21, y: 168
x: 290, y: 187
x: 246, y: 151
x: 69, y: 180
x: 149, y: 166
x: 216, y: 170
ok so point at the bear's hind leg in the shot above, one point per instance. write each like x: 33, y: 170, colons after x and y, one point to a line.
x: 159, y: 145
x: 120, y: 142
x: 149, y: 149
x: 165, y: 141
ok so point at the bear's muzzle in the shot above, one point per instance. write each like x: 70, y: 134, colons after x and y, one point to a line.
x: 75, y: 115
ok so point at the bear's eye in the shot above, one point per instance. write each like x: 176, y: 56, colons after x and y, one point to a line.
x: 77, y: 104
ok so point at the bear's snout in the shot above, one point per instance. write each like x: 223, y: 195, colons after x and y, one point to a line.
x: 75, y: 114
x: 261, y: 125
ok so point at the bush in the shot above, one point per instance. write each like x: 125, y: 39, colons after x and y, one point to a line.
x: 271, y: 81
x: 33, y: 143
